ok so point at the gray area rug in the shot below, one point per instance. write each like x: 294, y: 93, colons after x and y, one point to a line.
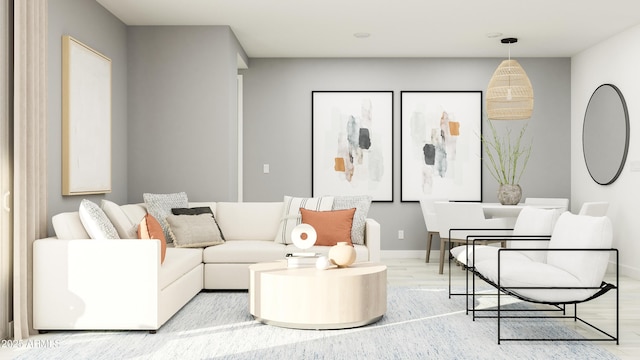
x: 421, y: 323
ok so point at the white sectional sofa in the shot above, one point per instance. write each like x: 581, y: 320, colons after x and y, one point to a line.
x: 81, y: 283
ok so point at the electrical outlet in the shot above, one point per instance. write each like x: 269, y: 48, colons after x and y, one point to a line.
x: 265, y: 168
x: 400, y: 234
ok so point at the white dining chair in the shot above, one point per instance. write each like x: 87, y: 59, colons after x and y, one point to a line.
x: 594, y: 208
x: 558, y: 203
x: 430, y: 220
x: 462, y: 215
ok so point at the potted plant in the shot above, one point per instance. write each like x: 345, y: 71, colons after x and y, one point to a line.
x: 506, y: 159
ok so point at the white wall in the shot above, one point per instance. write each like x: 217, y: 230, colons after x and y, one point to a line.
x: 613, y: 61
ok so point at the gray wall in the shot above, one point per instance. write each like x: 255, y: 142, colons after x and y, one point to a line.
x: 174, y: 106
x: 174, y: 111
x: 277, y: 125
x: 91, y: 24
x: 182, y: 111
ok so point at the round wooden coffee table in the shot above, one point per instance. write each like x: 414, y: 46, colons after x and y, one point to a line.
x: 308, y: 298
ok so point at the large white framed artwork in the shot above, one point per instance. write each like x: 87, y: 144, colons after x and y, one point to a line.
x: 86, y: 119
x: 440, y: 145
x: 352, y: 143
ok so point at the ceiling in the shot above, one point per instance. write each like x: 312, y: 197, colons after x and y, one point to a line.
x: 398, y: 28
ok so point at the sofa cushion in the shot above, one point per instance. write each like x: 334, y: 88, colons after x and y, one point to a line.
x: 126, y: 228
x: 177, y: 263
x: 291, y: 218
x: 68, y: 226
x: 362, y: 204
x: 95, y: 221
x: 149, y: 228
x: 194, y: 230
x: 248, y: 220
x: 135, y: 212
x: 248, y: 251
x: 331, y: 226
x: 160, y: 205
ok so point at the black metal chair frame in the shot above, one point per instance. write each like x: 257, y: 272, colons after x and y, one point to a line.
x: 487, y: 238
x: 555, y: 306
x: 491, y: 239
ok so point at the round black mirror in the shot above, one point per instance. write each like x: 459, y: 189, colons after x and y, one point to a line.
x: 605, y: 134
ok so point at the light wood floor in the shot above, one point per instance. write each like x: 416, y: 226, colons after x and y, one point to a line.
x: 415, y: 272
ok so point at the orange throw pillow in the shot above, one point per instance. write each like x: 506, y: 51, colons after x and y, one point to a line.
x: 150, y: 228
x: 331, y: 226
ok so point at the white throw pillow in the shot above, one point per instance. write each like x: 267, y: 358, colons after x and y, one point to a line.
x: 96, y: 222
x: 291, y: 214
x: 126, y: 228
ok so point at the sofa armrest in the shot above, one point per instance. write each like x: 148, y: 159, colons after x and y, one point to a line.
x: 372, y: 239
x: 95, y: 284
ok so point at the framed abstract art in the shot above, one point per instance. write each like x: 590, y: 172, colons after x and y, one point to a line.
x: 86, y: 119
x: 440, y: 145
x: 352, y: 143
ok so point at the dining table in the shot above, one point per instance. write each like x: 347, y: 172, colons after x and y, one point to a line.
x: 496, y: 210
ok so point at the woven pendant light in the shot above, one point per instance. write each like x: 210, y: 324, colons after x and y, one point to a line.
x: 509, y: 94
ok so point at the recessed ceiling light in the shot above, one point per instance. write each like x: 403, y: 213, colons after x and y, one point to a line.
x: 362, y: 35
x: 492, y: 35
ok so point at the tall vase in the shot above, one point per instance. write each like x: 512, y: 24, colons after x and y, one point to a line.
x: 342, y: 254
x: 509, y: 194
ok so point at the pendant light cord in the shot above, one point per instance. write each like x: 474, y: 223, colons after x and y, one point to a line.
x: 509, y: 96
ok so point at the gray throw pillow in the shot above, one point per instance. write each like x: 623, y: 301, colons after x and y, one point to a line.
x: 160, y: 205
x: 362, y: 204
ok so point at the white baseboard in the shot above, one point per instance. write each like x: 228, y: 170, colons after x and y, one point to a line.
x: 626, y: 270
x: 407, y: 254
